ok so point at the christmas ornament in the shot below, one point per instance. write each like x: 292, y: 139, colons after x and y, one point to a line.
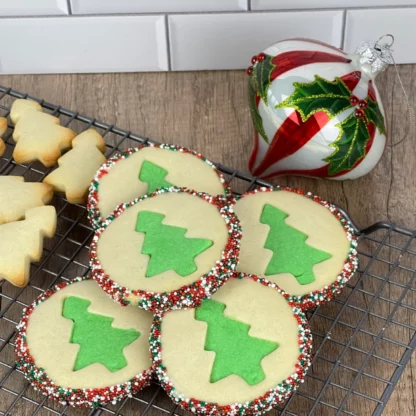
x: 316, y: 110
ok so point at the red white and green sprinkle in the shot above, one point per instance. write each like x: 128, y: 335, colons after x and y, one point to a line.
x: 185, y: 296
x: 69, y: 396
x: 260, y: 405
x: 318, y: 297
x: 93, y: 211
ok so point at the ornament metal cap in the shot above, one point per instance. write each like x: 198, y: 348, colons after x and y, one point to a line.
x: 375, y: 57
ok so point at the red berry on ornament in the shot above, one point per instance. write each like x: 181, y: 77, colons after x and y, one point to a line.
x: 261, y: 56
x: 254, y: 59
x: 354, y: 100
x: 249, y: 70
x: 359, y: 113
x: 363, y: 104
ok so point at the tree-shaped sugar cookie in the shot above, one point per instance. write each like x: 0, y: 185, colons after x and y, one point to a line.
x: 99, y: 341
x: 39, y: 136
x: 167, y: 245
x: 22, y: 242
x: 77, y: 167
x: 17, y: 196
x: 236, y: 352
x: 3, y: 129
x: 20, y: 106
x: 291, y: 253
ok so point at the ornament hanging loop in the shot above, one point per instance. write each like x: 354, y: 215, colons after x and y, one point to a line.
x: 379, y: 47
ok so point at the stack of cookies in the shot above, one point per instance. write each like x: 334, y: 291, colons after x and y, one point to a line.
x: 189, y: 284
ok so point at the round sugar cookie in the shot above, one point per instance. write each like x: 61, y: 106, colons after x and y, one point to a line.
x: 141, y: 170
x: 80, y: 348
x: 169, y: 250
x: 243, y: 351
x: 298, y: 241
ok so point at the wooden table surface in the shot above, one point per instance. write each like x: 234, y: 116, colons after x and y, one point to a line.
x: 208, y: 112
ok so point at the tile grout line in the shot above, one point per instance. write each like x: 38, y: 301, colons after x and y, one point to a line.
x: 68, y: 3
x: 344, y: 26
x: 168, y: 45
x: 219, y: 12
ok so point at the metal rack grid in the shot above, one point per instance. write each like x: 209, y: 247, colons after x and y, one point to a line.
x: 362, y: 340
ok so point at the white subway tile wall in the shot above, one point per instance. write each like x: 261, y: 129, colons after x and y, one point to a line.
x: 75, y: 36
x: 369, y: 24
x: 33, y: 7
x: 228, y: 41
x: 310, y: 4
x: 83, y: 44
x: 155, y: 6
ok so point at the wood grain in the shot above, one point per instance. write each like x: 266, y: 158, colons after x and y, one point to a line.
x: 208, y: 111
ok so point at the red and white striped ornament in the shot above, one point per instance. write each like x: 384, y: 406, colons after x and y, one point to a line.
x: 316, y: 111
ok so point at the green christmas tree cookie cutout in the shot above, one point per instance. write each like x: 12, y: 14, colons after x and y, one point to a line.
x: 236, y: 352
x: 291, y: 253
x: 167, y: 246
x: 154, y: 176
x: 99, y: 341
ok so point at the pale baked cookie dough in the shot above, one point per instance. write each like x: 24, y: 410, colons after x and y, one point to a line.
x: 63, y: 367
x: 18, y: 196
x: 130, y: 174
x: 38, y: 135
x: 298, y: 241
x: 21, y: 242
x: 3, y: 129
x: 78, y: 166
x: 243, y: 351
x: 169, y: 250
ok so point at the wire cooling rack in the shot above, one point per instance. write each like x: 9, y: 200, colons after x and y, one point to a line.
x: 362, y: 340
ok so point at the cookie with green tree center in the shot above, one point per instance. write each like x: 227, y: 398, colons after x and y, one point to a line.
x: 78, y: 347
x: 300, y: 242
x: 243, y: 351
x: 169, y: 250
x: 142, y: 170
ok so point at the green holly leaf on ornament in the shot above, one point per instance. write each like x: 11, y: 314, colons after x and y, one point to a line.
x: 255, y: 115
x: 258, y: 86
x: 261, y: 74
x: 331, y: 97
x: 350, y: 145
x: 374, y: 115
